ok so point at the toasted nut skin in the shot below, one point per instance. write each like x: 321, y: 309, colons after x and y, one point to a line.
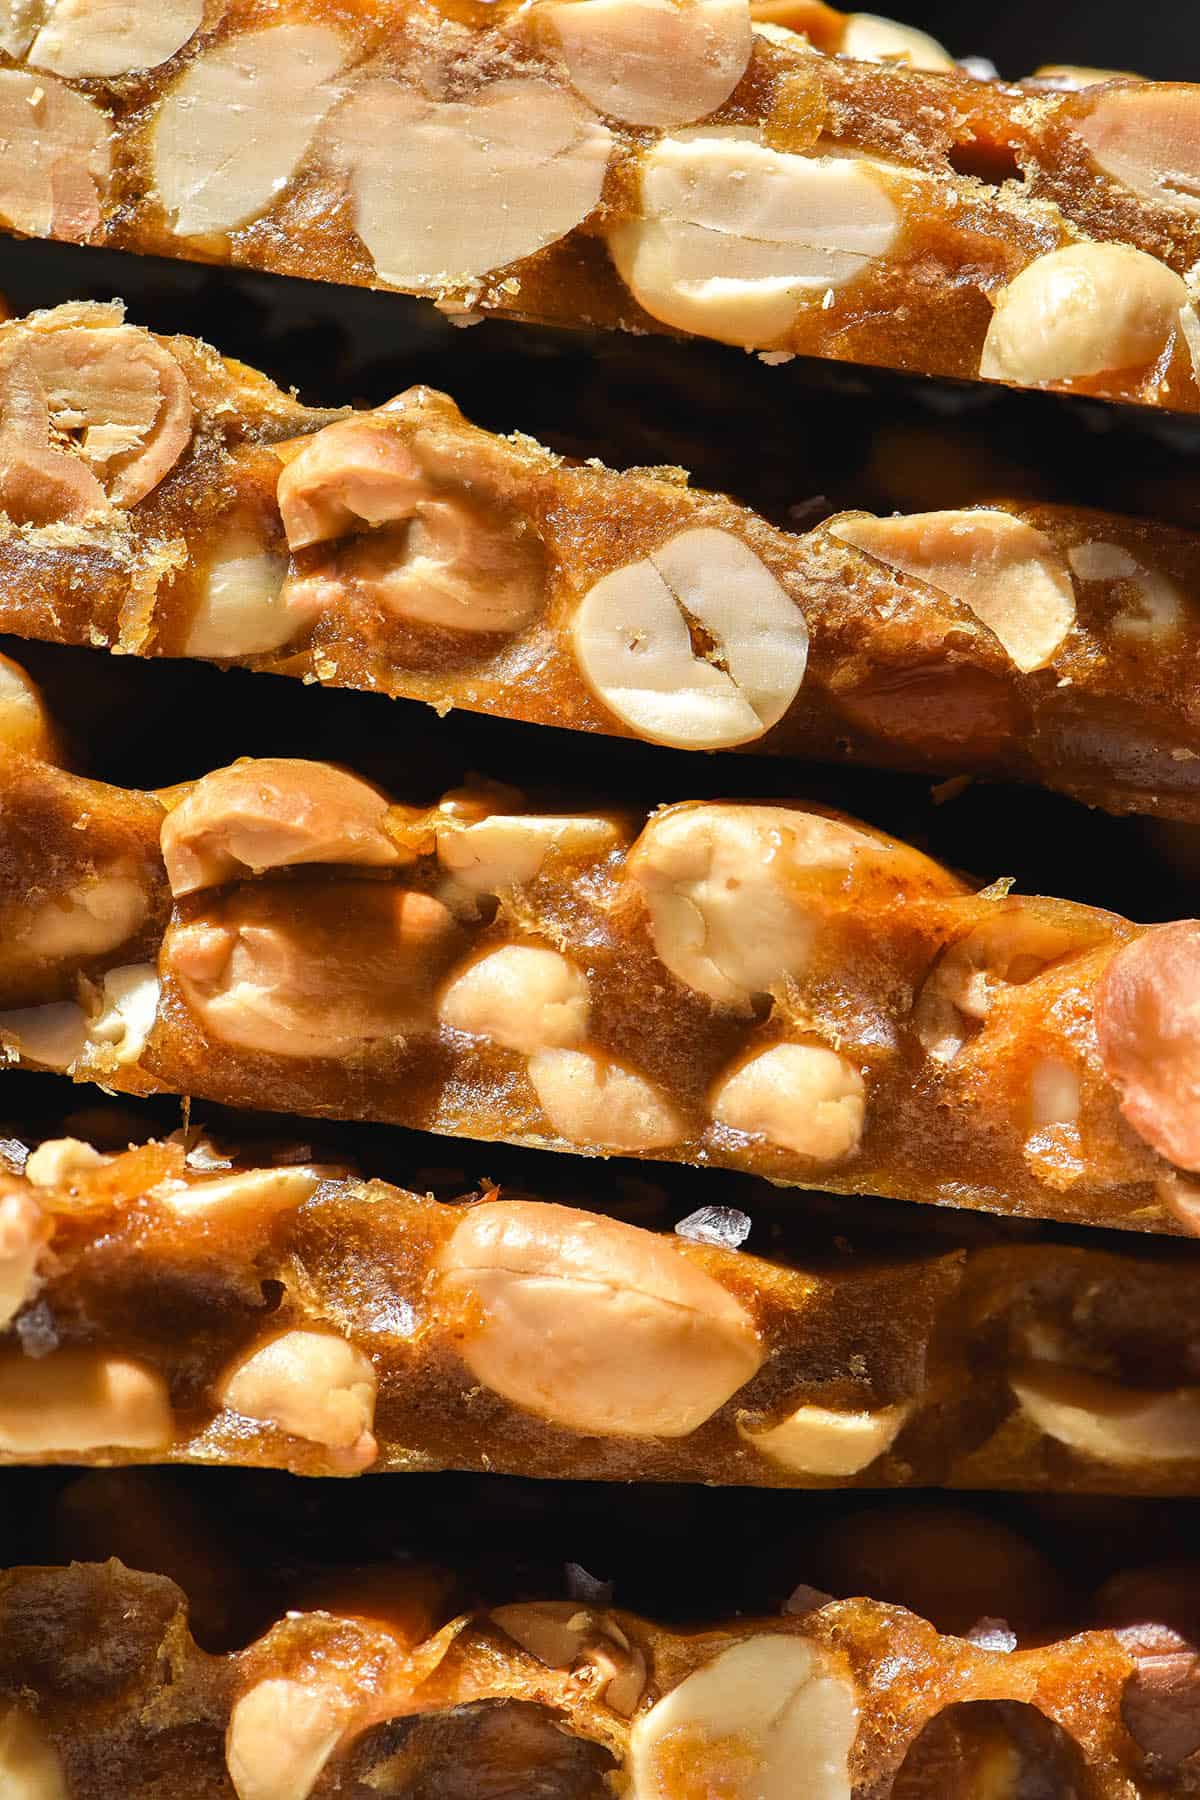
x: 592, y: 1099
x: 57, y: 159
x: 30, y: 1766
x: 281, y: 1734
x: 230, y: 133
x: 869, y: 38
x: 112, y: 37
x: 691, y: 260
x: 23, y: 1233
x: 313, y: 968
x: 25, y: 725
x: 632, y: 641
x: 592, y: 1324
x: 1144, y: 134
x: 504, y: 850
x: 313, y: 1385
x: 650, y: 62
x: 90, y: 920
x: 521, y: 996
x: 1116, y: 1424
x: 745, y: 1723
x: 1010, y: 574
x: 81, y: 1400
x: 240, y: 608
x: 1145, y: 1012
x: 563, y: 1636
x: 1090, y: 309
x: 449, y: 189
x: 814, y: 1440
x: 802, y: 1097
x: 736, y: 894
x: 273, y: 813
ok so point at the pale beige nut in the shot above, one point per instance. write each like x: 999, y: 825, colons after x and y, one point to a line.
x: 30, y: 1766
x: 281, y: 1734
x: 113, y: 37
x: 737, y: 894
x: 1146, y: 1007
x: 81, y: 1400
x: 19, y: 22
x: 448, y: 190
x: 591, y: 1323
x: 800, y: 1097
x: 1055, y: 1094
x: 96, y: 413
x: 1155, y: 608
x: 313, y: 968
x: 25, y: 726
x: 1091, y: 309
x: 57, y: 157
x: 431, y: 551
x: 815, y: 1440
x: 23, y: 1233
x: 632, y: 638
x: 354, y: 475
x: 564, y: 1635
x: 100, y: 915
x: 869, y: 38
x: 521, y: 996
x: 1072, y: 78
x: 1146, y: 135
x: 596, y: 1101
x: 506, y: 850
x: 53, y: 1036
x: 274, y: 812
x: 312, y: 1385
x: 1010, y: 574
x: 125, y: 1016
x: 229, y: 135
x: 744, y: 1725
x: 692, y: 259
x: 1015, y: 943
x: 649, y: 62
x: 59, y: 1162
x: 250, y: 1194
x: 240, y: 607
x: 1101, y: 1419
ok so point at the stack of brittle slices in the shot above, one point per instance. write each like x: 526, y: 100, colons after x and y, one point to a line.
x: 670, y: 1038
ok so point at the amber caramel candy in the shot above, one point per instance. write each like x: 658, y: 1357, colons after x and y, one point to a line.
x: 192, y: 1301
x: 377, y: 1688
x: 161, y: 501
x: 669, y: 165
x: 773, y: 988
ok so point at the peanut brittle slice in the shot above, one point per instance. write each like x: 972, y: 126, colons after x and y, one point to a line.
x: 669, y: 165
x: 192, y: 1301
x: 774, y: 988
x: 377, y: 1688
x: 161, y: 501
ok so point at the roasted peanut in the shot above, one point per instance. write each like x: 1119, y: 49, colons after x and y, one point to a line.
x: 649, y: 62
x: 25, y: 725
x: 1010, y: 575
x: 802, y: 1097
x: 1145, y: 1010
x: 81, y: 1400
x: 1144, y: 135
x: 313, y: 968
x: 273, y: 812
x: 521, y: 996
x: 1101, y: 1419
x: 564, y: 1635
x: 313, y: 1385
x: 594, y: 1100
x: 281, y: 1734
x: 632, y: 640
x: 744, y: 1724
x: 595, y: 1325
x: 23, y: 1234
x: 814, y: 1440
x: 691, y: 261
x: 110, y: 37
